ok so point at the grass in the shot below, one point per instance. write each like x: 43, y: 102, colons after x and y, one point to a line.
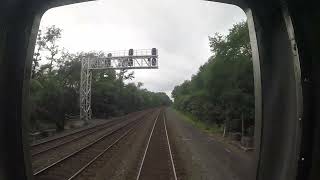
x: 206, y: 127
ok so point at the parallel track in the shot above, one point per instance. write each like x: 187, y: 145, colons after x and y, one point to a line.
x: 69, y: 138
x: 78, y: 131
x: 70, y: 166
x: 102, y: 153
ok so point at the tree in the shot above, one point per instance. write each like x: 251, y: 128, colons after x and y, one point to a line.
x: 222, y: 90
x: 55, y: 88
x: 40, y: 44
x: 51, y: 36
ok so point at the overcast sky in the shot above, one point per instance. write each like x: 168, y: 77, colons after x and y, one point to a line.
x: 178, y: 28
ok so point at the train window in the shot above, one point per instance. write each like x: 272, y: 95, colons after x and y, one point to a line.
x: 116, y: 107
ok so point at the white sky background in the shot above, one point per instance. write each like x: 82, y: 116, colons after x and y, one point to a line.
x: 179, y: 29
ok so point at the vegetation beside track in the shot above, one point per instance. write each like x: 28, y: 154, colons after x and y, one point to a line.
x: 209, y: 128
x: 55, y: 84
x: 222, y: 92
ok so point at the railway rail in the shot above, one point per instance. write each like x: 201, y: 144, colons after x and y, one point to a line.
x: 72, y: 165
x: 91, y: 167
x: 72, y: 137
x: 51, y: 155
x: 157, y: 161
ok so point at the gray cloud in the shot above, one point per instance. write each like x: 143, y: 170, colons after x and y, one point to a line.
x: 179, y: 29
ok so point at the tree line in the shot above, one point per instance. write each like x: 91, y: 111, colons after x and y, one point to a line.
x: 222, y: 91
x: 55, y: 84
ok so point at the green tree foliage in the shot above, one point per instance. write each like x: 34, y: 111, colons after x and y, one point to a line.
x: 55, y: 84
x: 222, y: 90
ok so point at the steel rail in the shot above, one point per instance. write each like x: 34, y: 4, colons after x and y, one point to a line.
x: 74, y: 139
x: 171, y: 158
x: 76, y: 132
x: 145, y: 152
x: 99, y: 129
x: 85, y: 147
x: 100, y: 154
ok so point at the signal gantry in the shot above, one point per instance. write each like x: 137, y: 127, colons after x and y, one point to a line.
x: 119, y: 60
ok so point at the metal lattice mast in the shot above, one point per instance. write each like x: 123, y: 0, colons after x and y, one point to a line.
x: 132, y: 59
x: 85, y: 90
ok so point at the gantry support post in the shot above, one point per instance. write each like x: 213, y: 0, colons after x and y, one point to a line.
x: 85, y: 91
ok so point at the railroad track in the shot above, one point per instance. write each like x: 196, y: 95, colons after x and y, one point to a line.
x: 72, y: 137
x: 72, y: 165
x: 53, y: 143
x: 54, y: 154
x: 157, y: 161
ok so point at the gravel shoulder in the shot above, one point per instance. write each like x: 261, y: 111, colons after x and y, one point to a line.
x: 201, y: 156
